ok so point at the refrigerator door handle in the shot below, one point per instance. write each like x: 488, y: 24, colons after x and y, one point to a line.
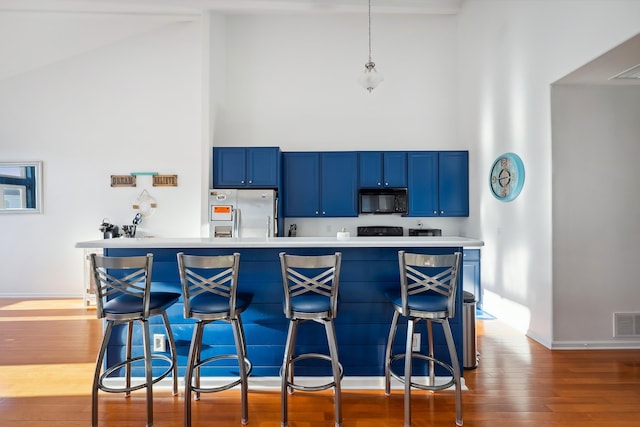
x: 236, y: 222
x: 268, y: 226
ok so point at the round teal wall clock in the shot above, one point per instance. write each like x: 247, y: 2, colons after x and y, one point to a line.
x: 506, y: 177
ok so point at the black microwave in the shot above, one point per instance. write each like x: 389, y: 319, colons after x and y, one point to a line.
x: 383, y: 201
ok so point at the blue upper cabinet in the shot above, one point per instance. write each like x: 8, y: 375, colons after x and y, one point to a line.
x: 438, y: 183
x: 301, y: 184
x: 386, y: 169
x: 320, y: 184
x: 453, y: 183
x: 238, y: 167
x: 339, y: 183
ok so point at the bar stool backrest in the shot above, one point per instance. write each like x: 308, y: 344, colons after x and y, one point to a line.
x: 434, y: 274
x: 315, y: 274
x: 119, y: 276
x: 215, y: 274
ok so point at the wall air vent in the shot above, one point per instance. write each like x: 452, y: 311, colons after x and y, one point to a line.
x: 632, y: 73
x: 626, y: 325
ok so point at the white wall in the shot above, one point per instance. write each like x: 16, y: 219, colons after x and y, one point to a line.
x: 510, y: 53
x: 292, y: 83
x: 595, y: 154
x: 130, y: 102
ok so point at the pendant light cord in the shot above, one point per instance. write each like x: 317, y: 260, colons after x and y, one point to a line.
x: 369, y: 30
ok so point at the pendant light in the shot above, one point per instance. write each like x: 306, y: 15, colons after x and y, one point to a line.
x: 371, y: 78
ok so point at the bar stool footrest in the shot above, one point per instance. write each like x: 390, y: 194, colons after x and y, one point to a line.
x: 227, y: 386
x: 420, y: 386
x: 124, y: 363
x: 316, y: 387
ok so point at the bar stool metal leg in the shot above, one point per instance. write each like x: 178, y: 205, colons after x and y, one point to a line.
x: 242, y: 368
x: 148, y: 371
x: 432, y: 364
x: 387, y: 358
x: 172, y: 350
x: 335, y: 367
x: 127, y: 368
x: 193, y: 357
x: 96, y: 375
x: 286, y: 376
x: 407, y: 372
x: 456, y: 369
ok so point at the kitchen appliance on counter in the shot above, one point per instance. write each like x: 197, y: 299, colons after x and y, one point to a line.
x: 242, y: 213
x: 380, y: 230
x: 425, y: 232
x: 108, y: 230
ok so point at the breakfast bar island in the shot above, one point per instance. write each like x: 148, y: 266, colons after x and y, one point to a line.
x: 369, y: 267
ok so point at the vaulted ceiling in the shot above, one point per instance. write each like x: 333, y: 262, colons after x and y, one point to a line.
x: 599, y: 71
x: 240, y: 6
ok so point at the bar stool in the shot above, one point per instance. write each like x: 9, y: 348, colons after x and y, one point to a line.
x: 310, y: 293
x: 123, y: 296
x: 210, y: 293
x: 427, y: 292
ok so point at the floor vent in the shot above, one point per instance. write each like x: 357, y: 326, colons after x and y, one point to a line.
x: 626, y: 325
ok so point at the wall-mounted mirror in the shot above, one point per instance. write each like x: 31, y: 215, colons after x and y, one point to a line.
x: 20, y: 187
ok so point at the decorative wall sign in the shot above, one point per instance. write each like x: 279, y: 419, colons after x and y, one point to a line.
x: 165, y: 180
x: 123, y: 181
x: 506, y: 177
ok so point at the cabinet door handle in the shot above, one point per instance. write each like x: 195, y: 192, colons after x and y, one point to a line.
x: 441, y: 212
x: 250, y: 182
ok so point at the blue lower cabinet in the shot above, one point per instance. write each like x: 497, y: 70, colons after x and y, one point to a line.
x: 362, y: 324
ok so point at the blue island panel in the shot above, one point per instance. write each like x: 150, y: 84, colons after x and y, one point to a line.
x: 362, y: 323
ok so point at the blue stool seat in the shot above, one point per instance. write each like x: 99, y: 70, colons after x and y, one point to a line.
x: 428, y: 301
x: 210, y: 303
x: 124, y: 304
x: 310, y: 303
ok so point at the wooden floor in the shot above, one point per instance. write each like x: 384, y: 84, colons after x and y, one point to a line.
x: 48, y: 348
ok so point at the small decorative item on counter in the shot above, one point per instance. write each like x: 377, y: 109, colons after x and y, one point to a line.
x: 130, y: 230
x: 109, y: 231
x: 343, y: 234
x: 293, y: 230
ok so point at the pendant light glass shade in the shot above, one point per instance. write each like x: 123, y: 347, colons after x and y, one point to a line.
x: 371, y: 78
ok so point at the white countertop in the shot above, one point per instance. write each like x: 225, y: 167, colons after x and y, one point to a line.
x: 284, y: 242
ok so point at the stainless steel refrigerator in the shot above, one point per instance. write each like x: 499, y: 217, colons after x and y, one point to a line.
x: 242, y: 213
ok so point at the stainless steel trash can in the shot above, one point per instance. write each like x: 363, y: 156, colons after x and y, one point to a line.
x: 469, y: 336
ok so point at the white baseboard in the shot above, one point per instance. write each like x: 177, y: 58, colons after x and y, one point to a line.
x: 596, y: 345
x: 273, y: 383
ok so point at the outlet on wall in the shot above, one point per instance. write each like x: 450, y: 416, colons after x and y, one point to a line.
x: 415, y: 346
x: 159, y: 343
